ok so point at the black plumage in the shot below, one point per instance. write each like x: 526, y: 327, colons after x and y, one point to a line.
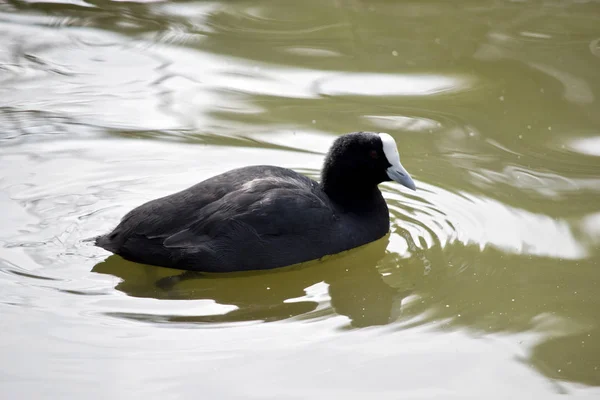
x: 263, y: 217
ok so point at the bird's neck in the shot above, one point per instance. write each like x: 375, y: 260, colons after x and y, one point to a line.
x: 352, y: 194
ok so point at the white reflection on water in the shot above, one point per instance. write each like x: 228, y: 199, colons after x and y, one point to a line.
x: 589, y: 146
x: 268, y: 80
x: 446, y: 217
x: 371, y: 84
x: 590, y: 225
x: 403, y: 123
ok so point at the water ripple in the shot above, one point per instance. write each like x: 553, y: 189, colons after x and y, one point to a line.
x: 443, y: 217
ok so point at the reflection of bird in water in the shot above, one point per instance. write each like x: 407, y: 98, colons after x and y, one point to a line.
x: 354, y: 285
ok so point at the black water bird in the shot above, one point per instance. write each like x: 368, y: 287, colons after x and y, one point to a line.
x: 263, y: 217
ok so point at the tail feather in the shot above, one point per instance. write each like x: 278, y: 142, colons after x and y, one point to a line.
x: 105, y: 242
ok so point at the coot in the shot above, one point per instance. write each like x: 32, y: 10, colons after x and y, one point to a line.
x: 263, y: 217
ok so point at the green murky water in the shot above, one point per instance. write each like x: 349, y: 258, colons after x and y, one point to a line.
x: 487, y: 285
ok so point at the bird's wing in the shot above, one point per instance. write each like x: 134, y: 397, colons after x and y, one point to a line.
x: 281, y: 211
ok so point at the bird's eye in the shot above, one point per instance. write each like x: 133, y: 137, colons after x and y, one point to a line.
x: 374, y: 154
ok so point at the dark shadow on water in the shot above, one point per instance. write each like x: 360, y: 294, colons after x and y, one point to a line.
x: 355, y: 287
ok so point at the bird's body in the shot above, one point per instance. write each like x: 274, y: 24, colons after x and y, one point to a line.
x: 258, y: 217
x: 256, y: 231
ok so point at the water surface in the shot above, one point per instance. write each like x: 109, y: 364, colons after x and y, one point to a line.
x: 487, y: 284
